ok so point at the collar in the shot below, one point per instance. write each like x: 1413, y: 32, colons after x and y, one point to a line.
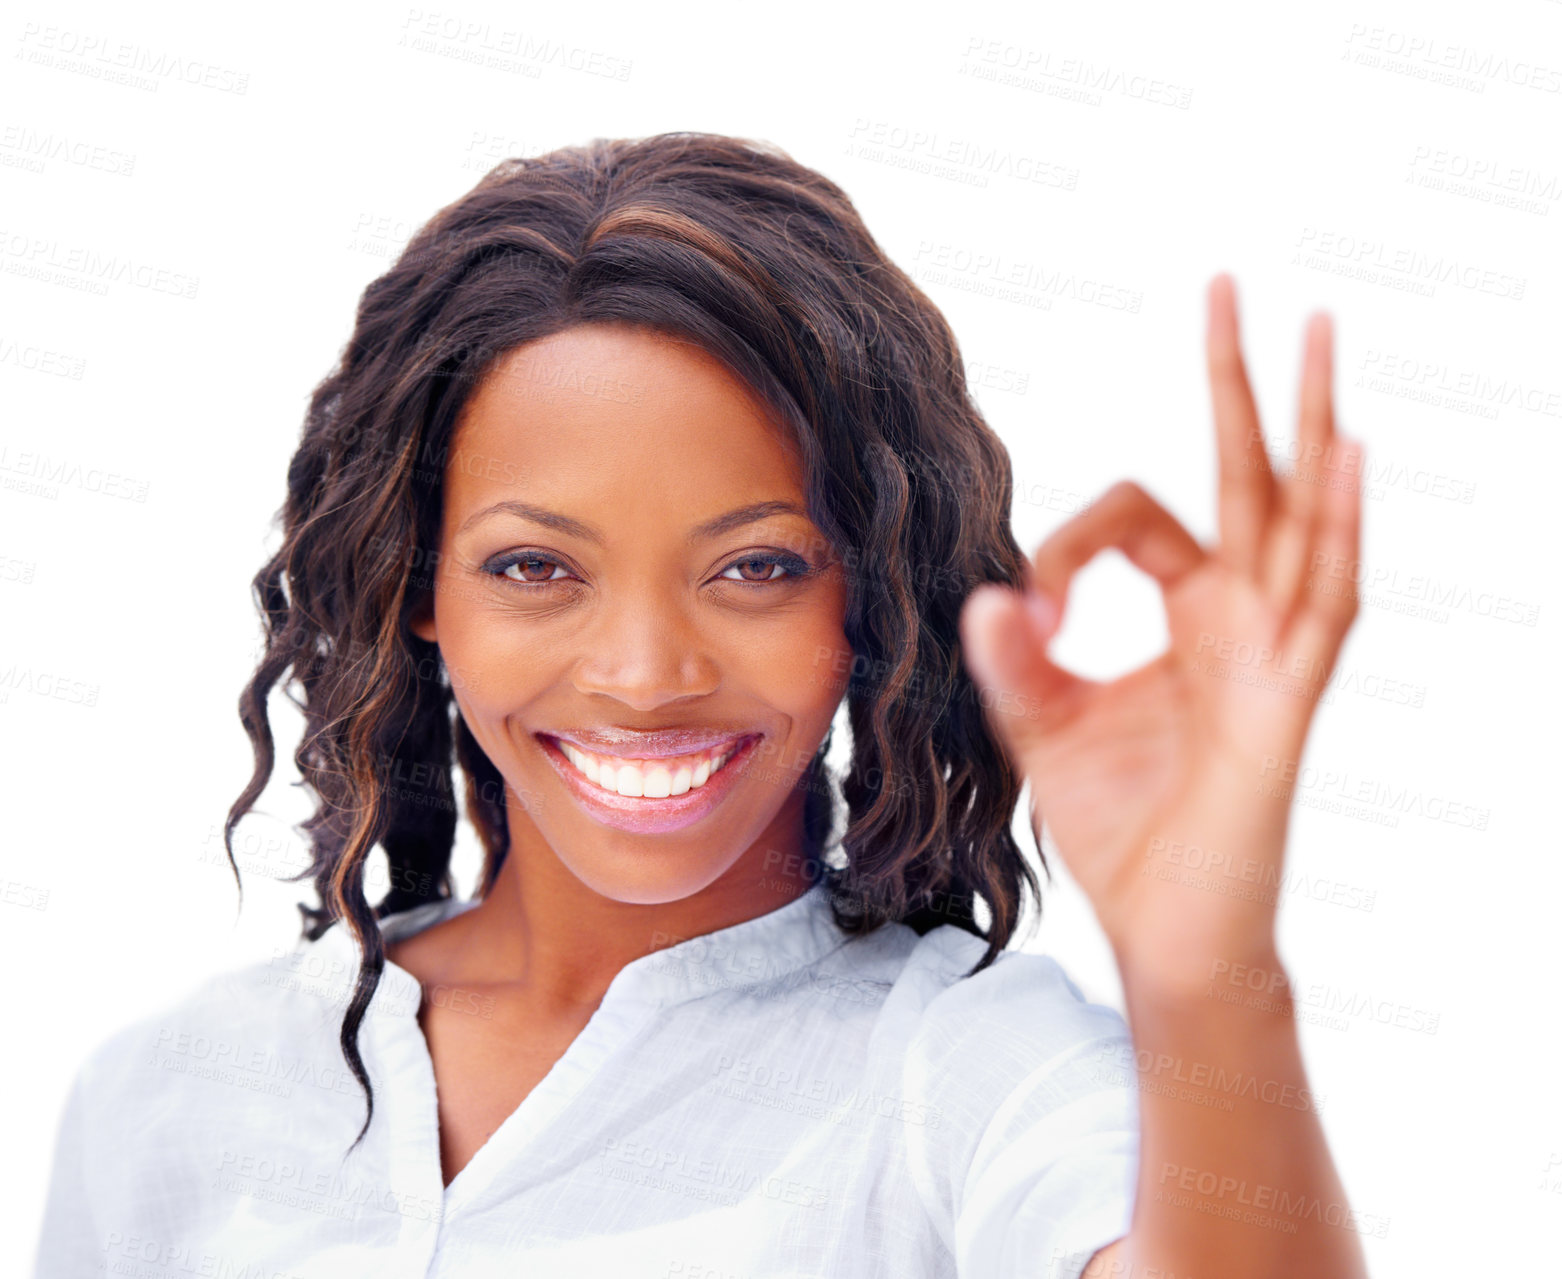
x: 769, y: 948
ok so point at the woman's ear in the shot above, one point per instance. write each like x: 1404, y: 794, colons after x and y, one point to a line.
x: 421, y: 619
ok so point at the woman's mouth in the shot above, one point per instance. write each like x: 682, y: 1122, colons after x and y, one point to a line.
x: 650, y: 795
x: 650, y: 778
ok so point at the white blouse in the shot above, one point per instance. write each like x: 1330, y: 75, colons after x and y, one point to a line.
x: 775, y: 1098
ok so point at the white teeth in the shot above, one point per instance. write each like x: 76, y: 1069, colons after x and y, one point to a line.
x: 650, y: 780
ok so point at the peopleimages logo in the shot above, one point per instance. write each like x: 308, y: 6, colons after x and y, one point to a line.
x: 39, y: 469
x: 120, y: 61
x: 1429, y: 58
x: 1369, y: 259
x: 46, y: 259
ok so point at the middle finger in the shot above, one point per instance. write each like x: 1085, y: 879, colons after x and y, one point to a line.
x: 1247, y: 485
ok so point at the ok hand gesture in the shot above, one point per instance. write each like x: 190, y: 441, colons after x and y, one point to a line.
x: 1193, y: 748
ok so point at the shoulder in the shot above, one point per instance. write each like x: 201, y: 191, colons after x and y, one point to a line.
x: 967, y: 1042
x: 1021, y: 1011
x: 944, y: 1014
x: 228, y: 1041
x: 240, y: 1062
x: 1031, y: 1097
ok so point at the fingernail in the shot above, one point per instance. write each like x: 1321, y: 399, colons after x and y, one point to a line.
x: 1043, y: 610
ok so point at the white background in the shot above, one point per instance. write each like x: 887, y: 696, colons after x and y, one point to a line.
x: 1312, y: 156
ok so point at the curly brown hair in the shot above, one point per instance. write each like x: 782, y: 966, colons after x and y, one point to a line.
x: 767, y: 265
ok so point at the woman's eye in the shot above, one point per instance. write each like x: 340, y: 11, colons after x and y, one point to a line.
x: 762, y: 568
x: 534, y: 570
x: 753, y: 570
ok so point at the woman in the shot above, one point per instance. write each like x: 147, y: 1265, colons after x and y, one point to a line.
x: 641, y: 460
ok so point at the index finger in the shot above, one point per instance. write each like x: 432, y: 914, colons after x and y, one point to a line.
x: 1128, y: 519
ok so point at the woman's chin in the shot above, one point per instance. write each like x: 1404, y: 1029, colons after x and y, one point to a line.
x: 630, y: 876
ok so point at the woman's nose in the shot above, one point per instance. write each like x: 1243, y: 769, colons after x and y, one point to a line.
x: 645, y: 653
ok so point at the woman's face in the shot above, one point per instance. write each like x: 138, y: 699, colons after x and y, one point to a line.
x: 627, y: 570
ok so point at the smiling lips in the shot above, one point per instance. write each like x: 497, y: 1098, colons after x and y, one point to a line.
x: 658, y: 778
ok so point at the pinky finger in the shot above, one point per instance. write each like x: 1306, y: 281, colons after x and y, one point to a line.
x: 1334, y: 568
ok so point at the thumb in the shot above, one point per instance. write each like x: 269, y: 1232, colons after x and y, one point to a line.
x: 1003, y: 635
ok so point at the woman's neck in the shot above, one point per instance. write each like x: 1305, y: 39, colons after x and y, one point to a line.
x: 549, y: 938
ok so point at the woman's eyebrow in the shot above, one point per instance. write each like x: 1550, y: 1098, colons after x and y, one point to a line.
x: 565, y: 524
x: 744, y: 515
x: 538, y: 515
